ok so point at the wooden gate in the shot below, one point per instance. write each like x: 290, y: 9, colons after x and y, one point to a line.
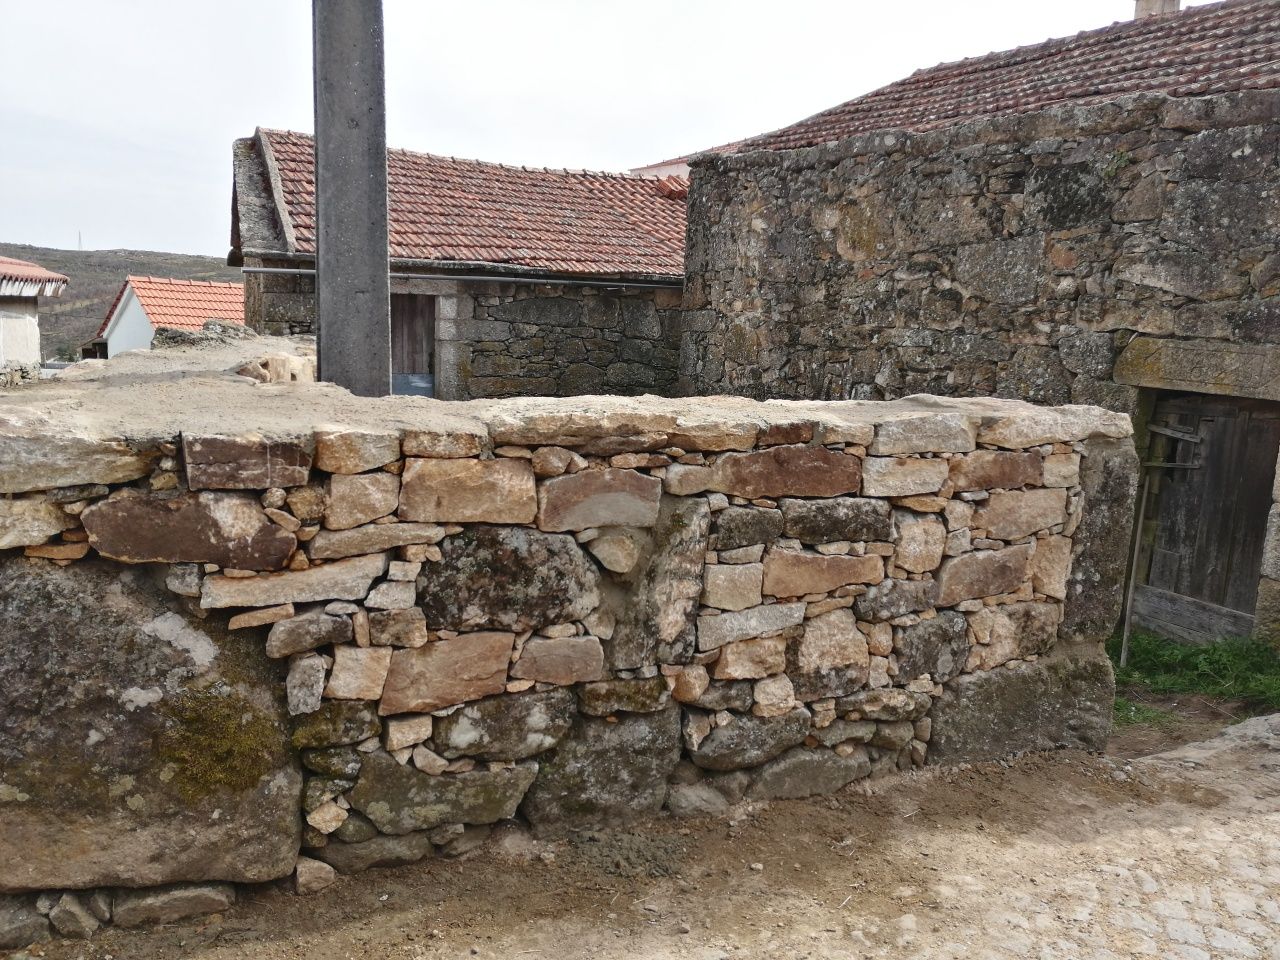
x: 1207, y: 516
x: 413, y: 336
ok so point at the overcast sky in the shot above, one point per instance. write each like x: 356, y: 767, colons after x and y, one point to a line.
x: 118, y: 116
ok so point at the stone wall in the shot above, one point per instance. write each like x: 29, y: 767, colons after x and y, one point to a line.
x: 371, y: 641
x: 1013, y: 257
x: 499, y: 340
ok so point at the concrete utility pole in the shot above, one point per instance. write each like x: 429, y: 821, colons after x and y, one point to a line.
x: 353, y: 289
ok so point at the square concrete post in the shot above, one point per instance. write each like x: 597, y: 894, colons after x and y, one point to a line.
x: 353, y: 295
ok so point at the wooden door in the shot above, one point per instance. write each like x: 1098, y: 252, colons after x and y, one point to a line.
x: 413, y: 337
x: 1207, y: 520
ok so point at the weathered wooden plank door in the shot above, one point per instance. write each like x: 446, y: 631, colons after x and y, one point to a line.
x: 413, y: 335
x: 1208, y: 523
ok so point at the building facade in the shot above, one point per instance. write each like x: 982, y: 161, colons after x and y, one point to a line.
x: 1120, y: 249
x: 505, y: 280
x: 22, y: 284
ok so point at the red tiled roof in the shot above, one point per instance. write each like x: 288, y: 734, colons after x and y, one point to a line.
x: 1217, y: 48
x: 185, y: 304
x: 23, y: 271
x: 558, y: 221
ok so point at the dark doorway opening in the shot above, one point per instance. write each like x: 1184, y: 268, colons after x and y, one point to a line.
x: 1207, y: 515
x: 413, y: 338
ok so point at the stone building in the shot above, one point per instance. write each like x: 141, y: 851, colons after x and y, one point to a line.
x: 1089, y: 220
x: 22, y: 284
x: 505, y: 280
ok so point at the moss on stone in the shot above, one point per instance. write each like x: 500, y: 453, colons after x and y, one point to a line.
x: 215, y: 743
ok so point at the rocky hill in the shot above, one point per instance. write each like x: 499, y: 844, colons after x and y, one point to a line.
x: 96, y: 276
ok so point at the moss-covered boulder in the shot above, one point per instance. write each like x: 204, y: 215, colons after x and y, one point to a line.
x: 606, y: 772
x: 400, y: 799
x: 138, y: 745
x: 1046, y: 705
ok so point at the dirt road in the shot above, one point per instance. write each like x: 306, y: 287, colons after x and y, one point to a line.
x: 1065, y: 856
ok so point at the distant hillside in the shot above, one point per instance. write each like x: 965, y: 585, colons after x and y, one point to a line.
x: 96, y: 277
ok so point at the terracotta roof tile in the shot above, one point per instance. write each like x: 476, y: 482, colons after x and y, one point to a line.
x: 1211, y: 49
x: 23, y: 271
x: 558, y: 221
x: 185, y: 304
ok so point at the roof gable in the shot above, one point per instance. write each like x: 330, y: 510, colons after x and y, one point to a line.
x: 472, y: 213
x: 1212, y: 49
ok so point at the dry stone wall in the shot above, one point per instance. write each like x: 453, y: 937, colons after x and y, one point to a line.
x: 1010, y: 256
x: 369, y: 643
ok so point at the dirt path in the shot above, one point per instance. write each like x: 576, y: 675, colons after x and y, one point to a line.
x: 1065, y: 856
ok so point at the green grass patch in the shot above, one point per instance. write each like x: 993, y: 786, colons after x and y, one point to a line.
x: 1233, y: 669
x: 1130, y: 713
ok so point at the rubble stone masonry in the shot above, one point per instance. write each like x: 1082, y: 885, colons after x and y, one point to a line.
x: 335, y: 644
x: 1068, y: 256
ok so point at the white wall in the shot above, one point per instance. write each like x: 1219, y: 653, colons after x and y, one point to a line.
x: 19, y: 330
x: 130, y: 329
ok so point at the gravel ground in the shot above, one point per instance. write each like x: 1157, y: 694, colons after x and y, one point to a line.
x: 1061, y: 856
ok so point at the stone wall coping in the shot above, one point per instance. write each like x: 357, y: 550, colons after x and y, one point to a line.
x: 109, y: 423
x: 1065, y: 122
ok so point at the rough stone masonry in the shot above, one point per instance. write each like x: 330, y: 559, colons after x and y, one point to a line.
x: 261, y: 629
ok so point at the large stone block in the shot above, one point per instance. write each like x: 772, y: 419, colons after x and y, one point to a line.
x: 372, y: 538
x: 1012, y: 631
x: 228, y: 529
x: 510, y: 578
x: 984, y: 573
x: 1095, y: 587
x: 468, y: 491
x: 606, y: 772
x: 598, y: 498
x: 510, y: 727
x: 1019, y: 513
x: 802, y: 772
x: 1064, y: 702
x: 903, y: 476
x: 836, y: 518
x: 1203, y: 366
x: 714, y: 632
x: 748, y: 741
x: 31, y: 459
x: 157, y: 749
x: 938, y: 647
x: 250, y: 462
x: 746, y: 526
x: 796, y: 471
x: 445, y: 672
x: 831, y: 659
x: 655, y: 615
x: 790, y: 573
x: 402, y: 799
x: 996, y: 469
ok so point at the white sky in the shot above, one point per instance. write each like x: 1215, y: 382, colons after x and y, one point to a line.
x: 118, y: 116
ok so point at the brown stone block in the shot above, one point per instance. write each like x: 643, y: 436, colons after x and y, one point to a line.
x: 229, y: 529
x: 355, y: 451
x: 560, y: 660
x: 902, y: 476
x: 996, y: 469
x: 985, y: 573
x: 796, y: 471
x: 598, y: 498
x: 751, y: 659
x: 357, y: 499
x: 789, y: 573
x: 1019, y: 513
x: 244, y: 463
x: 446, y: 672
x: 468, y: 491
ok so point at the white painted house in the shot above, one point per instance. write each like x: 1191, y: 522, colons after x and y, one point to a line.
x: 145, y: 304
x: 21, y: 285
